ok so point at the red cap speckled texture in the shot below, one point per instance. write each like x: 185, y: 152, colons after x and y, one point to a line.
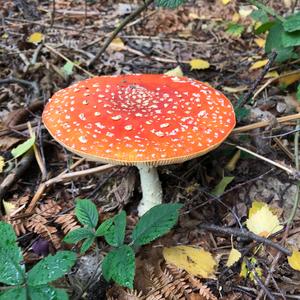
x: 139, y: 119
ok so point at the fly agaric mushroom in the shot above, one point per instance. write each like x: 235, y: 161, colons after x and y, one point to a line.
x: 140, y: 120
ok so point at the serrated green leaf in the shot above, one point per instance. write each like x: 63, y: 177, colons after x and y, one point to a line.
x: 292, y: 23
x: 11, y: 272
x: 77, y: 235
x: 291, y: 39
x: 235, y: 29
x: 104, y: 227
x: 221, y: 186
x: 259, y: 15
x: 14, y: 293
x: 119, y: 265
x: 86, y: 212
x: 116, y: 232
x: 155, y: 222
x: 87, y: 244
x: 169, y: 3
x: 41, y: 292
x: 51, y: 268
x: 23, y: 148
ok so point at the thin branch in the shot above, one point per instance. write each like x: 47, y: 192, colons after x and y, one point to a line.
x: 244, y: 234
x: 250, y: 93
x: 119, y: 28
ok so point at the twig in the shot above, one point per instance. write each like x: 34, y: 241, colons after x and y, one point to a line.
x: 119, y: 28
x: 257, y: 279
x: 295, y: 173
x: 250, y: 93
x: 15, y: 174
x: 245, y: 234
x: 266, y: 123
x: 68, y: 60
x: 60, y: 178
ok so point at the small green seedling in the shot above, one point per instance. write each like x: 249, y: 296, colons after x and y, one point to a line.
x: 34, y: 284
x: 119, y: 264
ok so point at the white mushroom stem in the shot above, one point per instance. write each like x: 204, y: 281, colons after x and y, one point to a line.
x: 151, y: 188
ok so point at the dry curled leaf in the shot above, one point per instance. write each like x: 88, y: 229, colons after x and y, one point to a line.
x: 294, y: 260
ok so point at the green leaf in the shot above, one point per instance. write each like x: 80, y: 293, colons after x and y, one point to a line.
x: 86, y: 212
x: 104, y: 227
x: 87, y: 244
x: 77, y: 235
x: 14, y: 293
x: 292, y: 23
x: 291, y: 39
x: 119, y: 265
x: 259, y: 15
x: 169, y: 3
x: 68, y: 68
x: 264, y: 27
x: 274, y: 42
x: 235, y: 29
x: 11, y: 272
x: 155, y: 222
x: 61, y: 294
x: 298, y: 93
x: 116, y: 232
x: 41, y: 292
x: 51, y: 268
x: 221, y: 186
x: 23, y: 148
x: 241, y: 113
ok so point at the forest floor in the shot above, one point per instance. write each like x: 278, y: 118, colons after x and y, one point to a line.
x: 40, y: 204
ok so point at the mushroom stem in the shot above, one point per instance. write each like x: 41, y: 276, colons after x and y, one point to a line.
x: 151, y: 188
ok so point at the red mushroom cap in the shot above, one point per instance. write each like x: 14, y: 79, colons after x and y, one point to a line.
x: 139, y: 119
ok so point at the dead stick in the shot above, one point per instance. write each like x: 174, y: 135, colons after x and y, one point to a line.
x: 250, y: 93
x: 245, y: 234
x: 119, y: 28
x: 265, y: 123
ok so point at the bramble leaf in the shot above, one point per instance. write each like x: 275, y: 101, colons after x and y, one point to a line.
x: 77, y: 235
x: 169, y: 3
x: 119, y: 265
x: 155, y: 222
x: 86, y: 212
x: 14, y: 293
x: 116, y: 232
x: 51, y: 268
x: 104, y: 227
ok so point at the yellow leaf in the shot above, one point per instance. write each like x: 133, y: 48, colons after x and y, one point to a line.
x: 8, y: 207
x: 294, y: 260
x: 238, y: 89
x: 195, y: 261
x: 245, y: 10
x: 272, y: 74
x: 117, y: 44
x: 263, y: 222
x: 236, y: 17
x: 260, y: 42
x: 259, y: 64
x: 36, y: 38
x: 289, y: 79
x: 234, y: 256
x: 2, y: 163
x: 225, y: 2
x: 256, y: 206
x: 199, y: 64
x: 175, y: 72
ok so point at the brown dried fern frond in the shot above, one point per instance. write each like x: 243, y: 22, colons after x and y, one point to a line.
x: 118, y: 292
x: 67, y: 222
x: 39, y: 225
x: 48, y: 209
x: 18, y: 225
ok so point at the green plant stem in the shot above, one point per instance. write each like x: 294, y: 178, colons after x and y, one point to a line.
x: 119, y: 28
x: 267, y: 9
x: 296, y: 155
